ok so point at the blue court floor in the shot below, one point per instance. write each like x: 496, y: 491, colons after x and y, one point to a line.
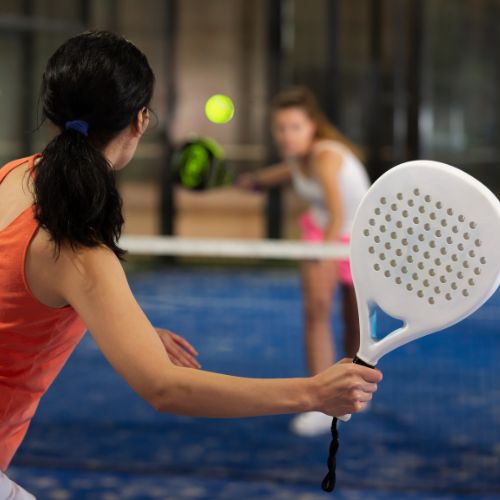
x: 433, y: 431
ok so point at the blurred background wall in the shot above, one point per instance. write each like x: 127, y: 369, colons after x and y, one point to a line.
x: 404, y: 79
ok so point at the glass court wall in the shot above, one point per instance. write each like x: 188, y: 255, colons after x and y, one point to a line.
x: 402, y: 78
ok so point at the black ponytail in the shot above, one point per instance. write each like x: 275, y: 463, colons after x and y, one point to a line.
x: 104, y: 81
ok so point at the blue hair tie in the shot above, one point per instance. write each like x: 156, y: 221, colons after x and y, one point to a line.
x: 79, y: 125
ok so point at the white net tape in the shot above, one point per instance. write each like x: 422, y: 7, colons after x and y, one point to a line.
x: 201, y: 247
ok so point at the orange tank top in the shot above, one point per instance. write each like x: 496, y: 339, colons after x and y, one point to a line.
x: 35, y: 340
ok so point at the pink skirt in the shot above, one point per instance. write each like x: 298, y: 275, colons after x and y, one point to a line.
x: 311, y: 232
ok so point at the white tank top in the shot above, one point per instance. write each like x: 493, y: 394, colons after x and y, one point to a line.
x: 353, y: 179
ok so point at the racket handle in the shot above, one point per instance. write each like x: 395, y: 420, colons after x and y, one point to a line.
x: 345, y: 418
x: 328, y: 483
x: 359, y: 361
x: 356, y: 361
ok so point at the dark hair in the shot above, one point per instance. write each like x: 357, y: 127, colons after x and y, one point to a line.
x: 303, y: 98
x: 104, y: 80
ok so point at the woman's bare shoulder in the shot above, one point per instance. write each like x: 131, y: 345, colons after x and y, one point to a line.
x: 53, y: 271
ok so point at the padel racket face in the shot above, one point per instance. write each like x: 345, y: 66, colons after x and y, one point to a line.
x: 425, y: 248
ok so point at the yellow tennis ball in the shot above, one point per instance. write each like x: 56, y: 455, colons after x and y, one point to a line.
x: 219, y: 108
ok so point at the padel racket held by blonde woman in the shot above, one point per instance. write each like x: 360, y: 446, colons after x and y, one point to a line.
x: 425, y: 250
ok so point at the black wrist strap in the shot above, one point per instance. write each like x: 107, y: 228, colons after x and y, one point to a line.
x: 328, y: 483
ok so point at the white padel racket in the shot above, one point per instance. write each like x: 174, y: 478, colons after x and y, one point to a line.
x: 425, y: 248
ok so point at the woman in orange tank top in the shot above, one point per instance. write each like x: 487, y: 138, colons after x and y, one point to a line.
x: 60, y: 217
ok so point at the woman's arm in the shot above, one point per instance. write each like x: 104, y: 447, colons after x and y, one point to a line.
x: 94, y: 283
x: 326, y: 167
x: 275, y: 175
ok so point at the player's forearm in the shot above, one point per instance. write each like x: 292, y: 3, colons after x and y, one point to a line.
x: 206, y: 394
x: 272, y: 176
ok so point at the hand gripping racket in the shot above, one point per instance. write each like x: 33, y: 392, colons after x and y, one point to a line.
x: 425, y: 248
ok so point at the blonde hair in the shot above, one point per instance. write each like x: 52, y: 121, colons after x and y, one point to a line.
x: 303, y: 98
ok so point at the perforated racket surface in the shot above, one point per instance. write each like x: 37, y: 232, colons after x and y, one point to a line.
x: 425, y: 248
